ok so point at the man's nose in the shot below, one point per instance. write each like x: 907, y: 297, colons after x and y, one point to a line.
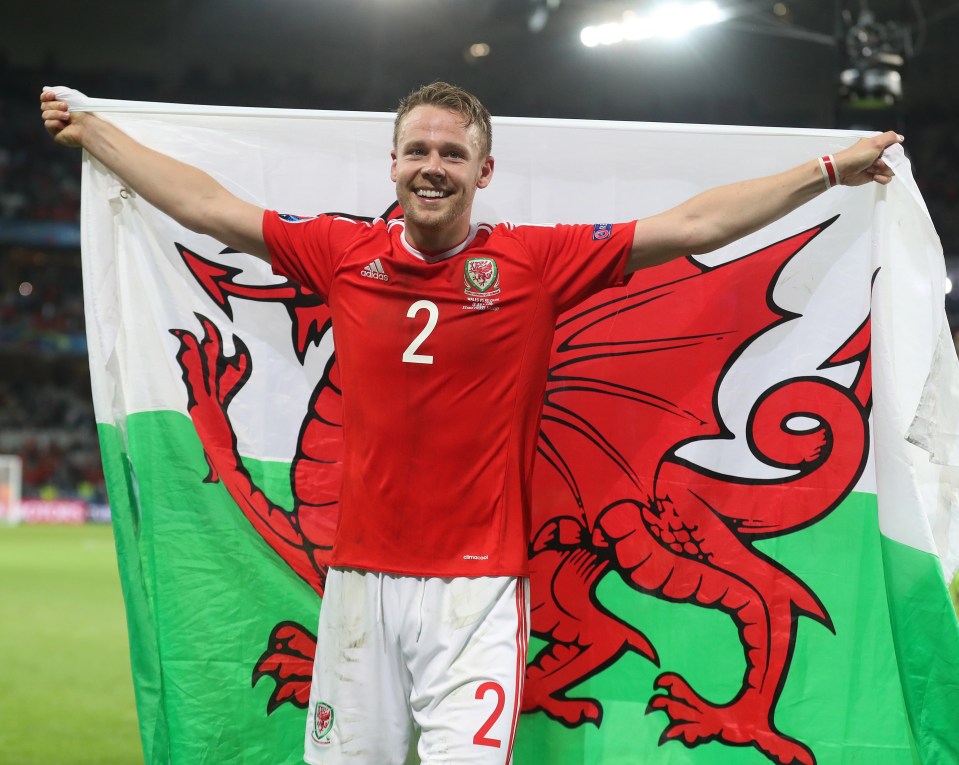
x: 434, y: 164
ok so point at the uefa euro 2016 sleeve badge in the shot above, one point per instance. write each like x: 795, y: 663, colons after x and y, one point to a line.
x: 602, y: 231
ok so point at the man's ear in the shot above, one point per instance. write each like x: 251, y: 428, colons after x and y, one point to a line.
x: 393, y: 167
x: 486, y: 173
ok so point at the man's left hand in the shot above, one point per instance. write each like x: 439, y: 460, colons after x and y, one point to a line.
x: 863, y: 162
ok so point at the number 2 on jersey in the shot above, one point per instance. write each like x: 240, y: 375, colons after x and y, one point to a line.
x: 410, y: 356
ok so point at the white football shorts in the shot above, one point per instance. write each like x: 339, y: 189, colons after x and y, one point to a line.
x: 417, y: 669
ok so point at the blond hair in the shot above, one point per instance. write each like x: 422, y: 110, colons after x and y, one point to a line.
x: 447, y: 96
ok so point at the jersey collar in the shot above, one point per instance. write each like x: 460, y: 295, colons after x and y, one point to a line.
x: 436, y: 257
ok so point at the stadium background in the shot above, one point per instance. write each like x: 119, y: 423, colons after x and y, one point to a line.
x: 773, y: 63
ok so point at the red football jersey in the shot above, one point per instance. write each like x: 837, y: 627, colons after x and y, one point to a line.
x: 443, y: 361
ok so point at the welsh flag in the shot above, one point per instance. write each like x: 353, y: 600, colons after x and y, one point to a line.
x: 746, y: 497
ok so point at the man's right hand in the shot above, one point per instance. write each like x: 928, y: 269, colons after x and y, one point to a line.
x: 60, y: 123
x: 188, y: 195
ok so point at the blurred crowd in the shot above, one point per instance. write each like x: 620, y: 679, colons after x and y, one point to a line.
x: 51, y: 426
x: 45, y: 411
x: 46, y: 414
x: 933, y: 148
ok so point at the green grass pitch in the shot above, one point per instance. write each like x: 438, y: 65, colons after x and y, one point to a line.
x: 66, y: 694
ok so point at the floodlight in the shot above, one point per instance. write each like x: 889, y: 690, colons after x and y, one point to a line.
x: 670, y: 20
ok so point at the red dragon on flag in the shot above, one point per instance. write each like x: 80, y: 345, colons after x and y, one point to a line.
x: 634, y: 376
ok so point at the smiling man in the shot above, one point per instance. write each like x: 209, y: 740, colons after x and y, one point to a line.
x: 424, y: 625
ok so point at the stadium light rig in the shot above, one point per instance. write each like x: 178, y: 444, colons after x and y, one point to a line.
x: 875, y: 54
x: 669, y: 20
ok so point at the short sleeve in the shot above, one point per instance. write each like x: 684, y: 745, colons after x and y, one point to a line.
x: 307, y: 249
x: 578, y: 260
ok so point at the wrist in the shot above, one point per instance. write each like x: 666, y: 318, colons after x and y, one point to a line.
x: 92, y: 133
x: 829, y: 169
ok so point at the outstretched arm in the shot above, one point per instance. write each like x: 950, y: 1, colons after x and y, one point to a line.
x: 186, y: 194
x: 722, y: 215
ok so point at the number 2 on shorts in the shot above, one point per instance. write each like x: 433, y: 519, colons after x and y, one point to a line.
x: 480, y: 738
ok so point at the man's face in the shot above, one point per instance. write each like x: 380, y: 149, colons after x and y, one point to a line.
x: 437, y: 166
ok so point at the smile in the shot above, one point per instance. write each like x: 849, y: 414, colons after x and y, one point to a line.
x: 431, y: 194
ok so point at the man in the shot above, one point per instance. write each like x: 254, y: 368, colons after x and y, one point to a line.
x: 425, y: 618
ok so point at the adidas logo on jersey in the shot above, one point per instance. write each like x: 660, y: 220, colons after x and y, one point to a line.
x: 375, y: 271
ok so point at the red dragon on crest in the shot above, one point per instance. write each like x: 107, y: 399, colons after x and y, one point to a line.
x: 634, y: 376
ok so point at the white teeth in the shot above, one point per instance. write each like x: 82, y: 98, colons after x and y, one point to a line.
x: 429, y: 194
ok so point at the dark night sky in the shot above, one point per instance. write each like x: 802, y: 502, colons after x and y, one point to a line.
x: 363, y: 54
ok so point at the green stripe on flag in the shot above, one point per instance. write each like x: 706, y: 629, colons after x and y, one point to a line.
x: 926, y: 634
x: 144, y: 658
x: 203, y: 592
